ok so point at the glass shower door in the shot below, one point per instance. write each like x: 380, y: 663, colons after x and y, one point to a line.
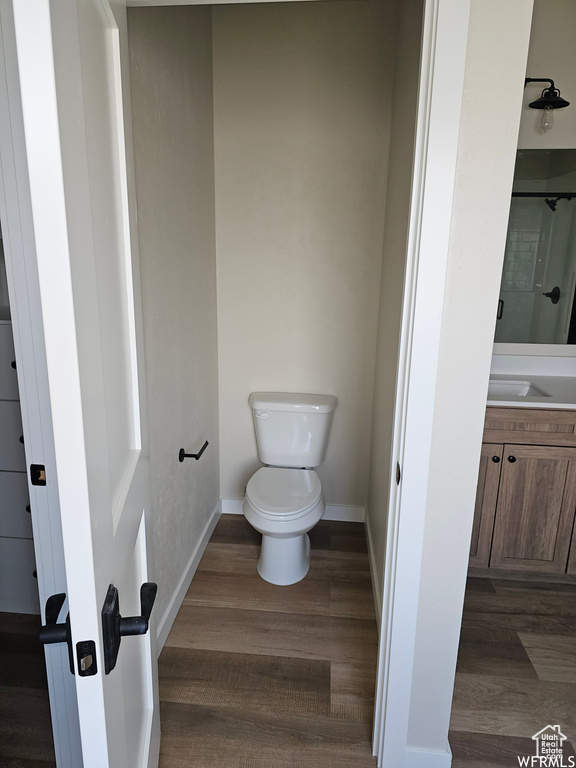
x: 537, y: 289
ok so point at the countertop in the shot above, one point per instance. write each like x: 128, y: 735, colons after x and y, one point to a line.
x: 560, y: 390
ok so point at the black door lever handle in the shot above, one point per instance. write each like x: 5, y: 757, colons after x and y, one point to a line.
x: 114, y: 627
x: 52, y: 632
x: 138, y: 625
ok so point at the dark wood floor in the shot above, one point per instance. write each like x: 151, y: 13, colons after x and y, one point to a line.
x: 258, y: 676
x: 516, y: 671
x: 25, y: 730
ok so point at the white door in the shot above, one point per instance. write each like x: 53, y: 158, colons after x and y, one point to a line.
x: 68, y: 58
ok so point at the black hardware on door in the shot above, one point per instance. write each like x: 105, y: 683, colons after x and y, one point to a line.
x: 496, y: 459
x: 398, y: 473
x: 183, y: 455
x: 37, y: 474
x: 511, y: 459
x: 500, y: 309
x: 57, y: 633
x: 114, y: 627
x: 553, y: 295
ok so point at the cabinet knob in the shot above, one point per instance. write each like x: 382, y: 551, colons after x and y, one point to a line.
x: 496, y: 459
x: 511, y: 459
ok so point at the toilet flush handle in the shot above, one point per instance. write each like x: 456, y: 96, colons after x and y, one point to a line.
x: 262, y: 415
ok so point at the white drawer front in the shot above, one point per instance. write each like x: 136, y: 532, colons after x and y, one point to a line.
x: 15, y: 521
x: 12, y: 458
x: 8, y: 380
x: 18, y: 587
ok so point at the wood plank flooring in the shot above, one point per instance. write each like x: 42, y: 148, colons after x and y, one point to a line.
x: 258, y: 676
x: 516, y: 671
x: 25, y: 729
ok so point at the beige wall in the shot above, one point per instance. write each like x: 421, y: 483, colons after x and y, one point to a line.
x: 171, y: 79
x: 552, y: 54
x: 302, y: 95
x: 393, y: 269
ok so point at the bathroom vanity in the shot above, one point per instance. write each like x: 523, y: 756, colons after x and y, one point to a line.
x: 526, y: 498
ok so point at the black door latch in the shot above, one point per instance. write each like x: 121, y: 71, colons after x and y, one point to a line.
x: 114, y: 627
x: 61, y: 633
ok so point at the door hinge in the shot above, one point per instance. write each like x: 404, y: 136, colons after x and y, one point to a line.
x: 398, y: 473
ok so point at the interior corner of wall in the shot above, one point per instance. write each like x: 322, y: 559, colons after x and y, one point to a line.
x: 375, y: 570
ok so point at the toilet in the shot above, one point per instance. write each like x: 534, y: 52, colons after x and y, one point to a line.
x: 284, y: 499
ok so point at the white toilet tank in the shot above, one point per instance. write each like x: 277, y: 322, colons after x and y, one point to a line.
x: 292, y: 429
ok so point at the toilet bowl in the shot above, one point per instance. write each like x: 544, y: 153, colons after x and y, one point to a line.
x: 283, y: 505
x: 284, y: 500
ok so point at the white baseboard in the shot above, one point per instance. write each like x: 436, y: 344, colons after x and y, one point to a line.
x: 375, y: 574
x: 165, y: 623
x: 420, y: 758
x: 231, y: 506
x: 342, y: 512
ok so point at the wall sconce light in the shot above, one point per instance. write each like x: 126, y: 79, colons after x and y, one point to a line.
x: 548, y: 101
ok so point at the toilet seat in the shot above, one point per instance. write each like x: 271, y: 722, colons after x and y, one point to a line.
x: 282, y: 494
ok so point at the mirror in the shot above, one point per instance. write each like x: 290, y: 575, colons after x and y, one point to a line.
x: 536, y: 303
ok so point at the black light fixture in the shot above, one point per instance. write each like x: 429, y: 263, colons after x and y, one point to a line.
x: 549, y: 100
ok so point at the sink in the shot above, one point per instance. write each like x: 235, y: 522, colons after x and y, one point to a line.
x: 502, y: 388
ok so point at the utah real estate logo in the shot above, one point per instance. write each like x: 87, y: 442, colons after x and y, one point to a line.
x: 549, y: 753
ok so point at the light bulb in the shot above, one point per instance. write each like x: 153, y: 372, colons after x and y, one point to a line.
x: 547, y: 119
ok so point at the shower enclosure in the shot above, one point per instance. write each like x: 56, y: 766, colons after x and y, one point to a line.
x: 536, y: 303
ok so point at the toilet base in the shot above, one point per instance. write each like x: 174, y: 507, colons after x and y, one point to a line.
x: 284, y: 561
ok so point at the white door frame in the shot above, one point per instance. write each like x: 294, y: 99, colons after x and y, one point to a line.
x: 21, y: 267
x: 443, y: 59
x: 456, y: 243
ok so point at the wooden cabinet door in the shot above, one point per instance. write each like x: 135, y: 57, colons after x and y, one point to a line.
x: 485, y: 509
x: 535, y: 511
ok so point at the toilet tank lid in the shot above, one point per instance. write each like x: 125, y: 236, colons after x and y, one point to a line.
x: 292, y: 401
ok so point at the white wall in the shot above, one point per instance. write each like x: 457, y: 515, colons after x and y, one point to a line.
x: 302, y: 95
x: 552, y: 54
x: 406, y: 74
x: 497, y: 51
x: 171, y: 80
